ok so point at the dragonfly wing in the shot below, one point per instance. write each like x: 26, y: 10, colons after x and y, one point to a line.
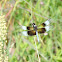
x: 30, y: 28
x: 43, y: 30
x: 30, y: 33
x: 26, y: 28
x: 46, y: 23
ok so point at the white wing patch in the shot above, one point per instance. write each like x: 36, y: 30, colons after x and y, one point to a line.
x: 47, y: 28
x: 24, y: 27
x: 47, y: 22
x: 25, y: 33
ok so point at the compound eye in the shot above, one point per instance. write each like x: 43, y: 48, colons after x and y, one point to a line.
x: 33, y: 24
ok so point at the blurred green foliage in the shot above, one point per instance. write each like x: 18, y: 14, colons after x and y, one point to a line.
x: 38, y: 11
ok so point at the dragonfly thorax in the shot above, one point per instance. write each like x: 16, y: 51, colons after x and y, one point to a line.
x: 34, y: 26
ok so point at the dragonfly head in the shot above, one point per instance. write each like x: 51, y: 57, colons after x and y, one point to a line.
x: 33, y: 24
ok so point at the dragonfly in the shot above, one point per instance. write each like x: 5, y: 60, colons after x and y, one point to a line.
x: 34, y: 30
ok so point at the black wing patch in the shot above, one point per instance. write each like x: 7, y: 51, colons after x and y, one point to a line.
x: 41, y: 30
x: 33, y: 32
x: 29, y: 28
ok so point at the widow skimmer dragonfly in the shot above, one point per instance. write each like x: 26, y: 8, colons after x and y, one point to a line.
x: 44, y: 27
